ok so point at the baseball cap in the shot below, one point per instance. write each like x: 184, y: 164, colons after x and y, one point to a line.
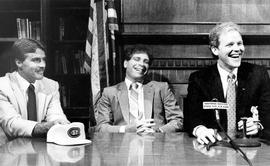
x: 68, y: 134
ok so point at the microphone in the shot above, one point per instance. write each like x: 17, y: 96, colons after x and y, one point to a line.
x: 215, y: 105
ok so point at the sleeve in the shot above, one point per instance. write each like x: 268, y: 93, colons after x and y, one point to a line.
x: 54, y: 110
x: 194, y: 112
x: 11, y: 120
x: 264, y: 100
x: 173, y: 113
x: 105, y: 114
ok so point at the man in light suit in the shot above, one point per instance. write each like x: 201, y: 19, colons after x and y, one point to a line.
x: 251, y: 85
x: 153, y: 109
x: 15, y: 116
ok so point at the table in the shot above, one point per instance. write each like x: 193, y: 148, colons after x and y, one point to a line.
x: 127, y: 149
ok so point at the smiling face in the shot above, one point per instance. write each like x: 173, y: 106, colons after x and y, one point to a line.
x: 33, y: 66
x: 137, y: 67
x: 230, y: 50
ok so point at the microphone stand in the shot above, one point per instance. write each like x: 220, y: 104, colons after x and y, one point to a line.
x: 244, y: 141
x: 231, y: 142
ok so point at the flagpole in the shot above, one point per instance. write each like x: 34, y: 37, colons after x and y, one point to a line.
x: 113, y: 26
x: 113, y: 55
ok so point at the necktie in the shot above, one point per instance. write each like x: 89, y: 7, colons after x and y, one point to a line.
x: 133, y: 92
x: 231, y: 101
x: 31, y: 104
x: 134, y: 97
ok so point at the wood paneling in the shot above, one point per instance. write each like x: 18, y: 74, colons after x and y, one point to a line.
x: 179, y: 11
x: 180, y: 16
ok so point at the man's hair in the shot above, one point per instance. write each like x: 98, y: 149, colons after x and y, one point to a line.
x: 215, y: 33
x: 23, y: 46
x: 137, y: 49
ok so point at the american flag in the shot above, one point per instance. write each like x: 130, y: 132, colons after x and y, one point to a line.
x: 97, y: 54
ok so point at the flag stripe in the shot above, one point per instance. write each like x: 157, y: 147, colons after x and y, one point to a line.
x: 91, y: 11
x: 89, y: 36
x: 101, y: 48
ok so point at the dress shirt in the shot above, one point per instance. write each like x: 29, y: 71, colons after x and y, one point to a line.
x: 224, y: 78
x: 24, y: 84
x: 139, y: 90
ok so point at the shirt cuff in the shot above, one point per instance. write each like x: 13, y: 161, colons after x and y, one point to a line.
x: 260, y: 126
x: 122, y: 129
x: 194, y: 132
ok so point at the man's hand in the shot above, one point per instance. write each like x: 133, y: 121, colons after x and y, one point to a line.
x: 141, y: 126
x: 145, y: 126
x: 61, y: 121
x: 252, y: 127
x: 204, y: 135
x: 41, y: 129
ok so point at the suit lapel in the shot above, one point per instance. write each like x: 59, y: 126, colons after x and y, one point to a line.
x: 123, y: 100
x: 18, y: 93
x: 215, y: 85
x: 148, y: 93
x: 242, y: 78
x: 41, y: 100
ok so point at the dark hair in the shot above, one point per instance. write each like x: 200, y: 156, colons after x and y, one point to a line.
x: 130, y: 51
x: 215, y: 33
x: 22, y: 46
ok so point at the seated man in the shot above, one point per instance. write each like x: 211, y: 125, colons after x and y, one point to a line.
x: 29, y: 102
x: 136, y: 105
x: 242, y: 86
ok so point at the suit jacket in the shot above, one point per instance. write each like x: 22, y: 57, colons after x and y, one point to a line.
x: 159, y: 104
x: 253, y: 89
x: 13, y: 107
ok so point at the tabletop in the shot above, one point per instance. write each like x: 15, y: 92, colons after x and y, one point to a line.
x: 127, y: 149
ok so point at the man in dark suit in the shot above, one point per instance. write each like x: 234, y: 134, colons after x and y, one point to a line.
x: 250, y: 84
x: 137, y: 105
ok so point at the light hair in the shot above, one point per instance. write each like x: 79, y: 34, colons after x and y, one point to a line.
x: 215, y: 33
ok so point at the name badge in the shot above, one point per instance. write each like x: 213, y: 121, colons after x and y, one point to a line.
x: 214, y: 105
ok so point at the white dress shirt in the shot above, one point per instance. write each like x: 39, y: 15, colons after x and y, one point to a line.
x: 139, y: 90
x: 224, y: 78
x: 24, y: 84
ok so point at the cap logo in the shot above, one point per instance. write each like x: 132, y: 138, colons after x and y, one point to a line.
x: 74, y: 132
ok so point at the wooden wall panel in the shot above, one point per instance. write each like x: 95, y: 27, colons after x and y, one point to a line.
x: 193, y: 16
x: 179, y: 11
x: 202, y: 28
x: 201, y: 51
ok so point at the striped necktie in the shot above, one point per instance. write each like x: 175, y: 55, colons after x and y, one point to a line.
x: 231, y: 101
x: 134, y: 97
x: 134, y: 94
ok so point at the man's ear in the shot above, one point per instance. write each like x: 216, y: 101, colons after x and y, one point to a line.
x: 18, y: 63
x: 125, y: 64
x: 214, y: 50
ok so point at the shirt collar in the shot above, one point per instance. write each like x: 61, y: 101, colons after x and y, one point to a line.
x: 224, y: 73
x: 24, y: 84
x: 128, y: 83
